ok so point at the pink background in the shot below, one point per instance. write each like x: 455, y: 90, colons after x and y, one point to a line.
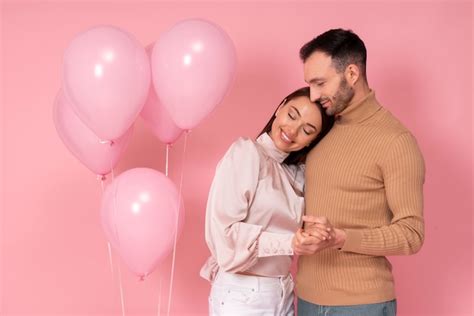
x: 53, y: 251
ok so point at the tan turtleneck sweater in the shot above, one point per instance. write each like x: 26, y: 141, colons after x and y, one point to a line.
x: 366, y: 176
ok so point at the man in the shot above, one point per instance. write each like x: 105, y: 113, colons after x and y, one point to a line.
x: 364, y: 181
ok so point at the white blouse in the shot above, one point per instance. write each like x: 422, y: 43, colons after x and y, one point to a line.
x: 254, y: 207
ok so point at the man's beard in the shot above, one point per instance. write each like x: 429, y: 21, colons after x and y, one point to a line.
x: 343, y: 96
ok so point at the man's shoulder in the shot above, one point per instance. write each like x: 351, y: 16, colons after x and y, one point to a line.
x: 390, y: 125
x: 393, y: 132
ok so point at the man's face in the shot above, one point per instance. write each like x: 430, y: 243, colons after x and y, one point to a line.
x: 327, y: 87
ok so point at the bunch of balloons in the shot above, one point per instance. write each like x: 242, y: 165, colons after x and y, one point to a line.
x: 109, y: 79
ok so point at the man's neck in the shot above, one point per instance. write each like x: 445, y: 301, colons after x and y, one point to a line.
x: 361, y: 90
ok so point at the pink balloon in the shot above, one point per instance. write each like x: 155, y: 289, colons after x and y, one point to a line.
x: 100, y: 158
x: 192, y: 68
x: 157, y: 117
x: 139, y: 212
x: 106, y: 74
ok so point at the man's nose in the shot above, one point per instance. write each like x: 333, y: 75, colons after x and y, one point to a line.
x: 314, y: 94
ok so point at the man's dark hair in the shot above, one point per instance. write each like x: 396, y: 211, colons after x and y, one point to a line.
x: 343, y: 46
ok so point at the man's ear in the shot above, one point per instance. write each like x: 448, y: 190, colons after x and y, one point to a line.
x: 352, y: 74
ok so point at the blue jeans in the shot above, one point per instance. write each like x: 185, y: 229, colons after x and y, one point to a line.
x: 380, y: 309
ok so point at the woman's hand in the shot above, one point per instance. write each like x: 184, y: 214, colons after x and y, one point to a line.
x: 319, y: 227
x: 315, y: 225
x: 305, y: 244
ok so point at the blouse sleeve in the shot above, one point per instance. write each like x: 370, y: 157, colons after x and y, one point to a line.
x: 232, y: 241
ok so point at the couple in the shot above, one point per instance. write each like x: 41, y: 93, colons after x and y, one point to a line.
x: 361, y: 192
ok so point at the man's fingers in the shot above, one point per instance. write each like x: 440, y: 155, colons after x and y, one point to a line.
x: 323, y: 229
x: 303, y: 238
x: 315, y: 219
x: 320, y: 234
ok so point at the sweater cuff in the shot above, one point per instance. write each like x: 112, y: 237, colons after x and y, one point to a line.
x: 353, y: 240
x: 273, y: 244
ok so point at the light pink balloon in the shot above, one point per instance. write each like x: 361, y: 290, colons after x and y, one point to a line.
x: 100, y: 158
x: 106, y: 74
x: 139, y: 212
x: 192, y: 68
x: 157, y: 118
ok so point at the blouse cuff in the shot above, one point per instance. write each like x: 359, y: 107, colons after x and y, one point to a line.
x: 273, y: 244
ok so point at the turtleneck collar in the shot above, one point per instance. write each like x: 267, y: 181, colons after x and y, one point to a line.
x: 360, y: 111
x: 270, y: 149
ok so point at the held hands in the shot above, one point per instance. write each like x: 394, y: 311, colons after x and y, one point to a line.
x: 318, y: 234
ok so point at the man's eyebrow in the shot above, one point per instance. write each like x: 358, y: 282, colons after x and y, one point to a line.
x: 316, y: 79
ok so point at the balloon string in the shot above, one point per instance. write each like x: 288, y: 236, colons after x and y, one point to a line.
x: 102, y: 179
x: 159, y: 299
x: 110, y: 259
x: 116, y: 233
x: 115, y: 199
x: 121, y: 290
x: 167, y: 157
x: 176, y: 226
x: 111, y: 143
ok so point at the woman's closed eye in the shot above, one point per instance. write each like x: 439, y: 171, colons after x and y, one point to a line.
x: 309, y: 130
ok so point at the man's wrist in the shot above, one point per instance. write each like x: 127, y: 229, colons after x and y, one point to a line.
x: 340, y: 238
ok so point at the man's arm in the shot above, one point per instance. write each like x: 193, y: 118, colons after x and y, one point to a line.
x: 403, y: 171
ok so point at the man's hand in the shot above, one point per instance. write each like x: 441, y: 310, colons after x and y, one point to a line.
x: 318, y: 227
x: 313, y: 226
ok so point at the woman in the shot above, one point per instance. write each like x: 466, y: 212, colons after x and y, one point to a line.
x: 254, y: 208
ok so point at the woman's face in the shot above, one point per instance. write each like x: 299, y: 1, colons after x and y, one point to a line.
x: 296, y: 124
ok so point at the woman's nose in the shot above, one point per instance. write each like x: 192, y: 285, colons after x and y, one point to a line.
x: 292, y: 130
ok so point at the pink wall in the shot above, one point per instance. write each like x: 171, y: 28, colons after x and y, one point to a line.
x: 53, y: 252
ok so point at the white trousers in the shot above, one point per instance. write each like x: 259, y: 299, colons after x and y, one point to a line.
x: 246, y: 295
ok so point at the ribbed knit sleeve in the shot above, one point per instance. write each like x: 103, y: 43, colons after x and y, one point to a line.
x: 403, y: 172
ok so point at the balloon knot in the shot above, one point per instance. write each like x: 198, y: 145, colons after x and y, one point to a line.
x: 106, y: 141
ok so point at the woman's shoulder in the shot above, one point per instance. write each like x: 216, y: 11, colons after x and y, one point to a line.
x: 243, y: 149
x: 244, y: 141
x: 243, y: 145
